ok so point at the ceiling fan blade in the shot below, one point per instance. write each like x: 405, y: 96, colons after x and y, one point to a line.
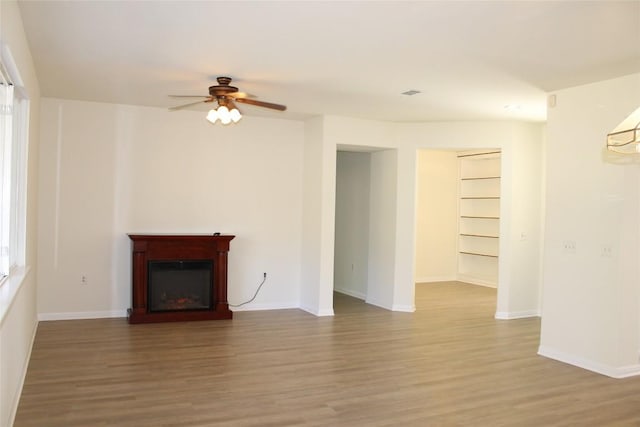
x: 178, y: 107
x: 241, y: 95
x: 261, y: 104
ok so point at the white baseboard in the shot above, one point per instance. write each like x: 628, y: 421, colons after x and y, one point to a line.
x: 260, y: 307
x: 16, y: 401
x: 476, y: 281
x: 404, y: 308
x: 395, y: 307
x: 351, y: 293
x: 319, y: 313
x: 432, y: 279
x: 508, y: 315
x: 610, y: 371
x: 44, y: 317
x: 378, y: 304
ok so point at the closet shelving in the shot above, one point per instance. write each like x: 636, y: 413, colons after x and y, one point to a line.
x: 479, y: 206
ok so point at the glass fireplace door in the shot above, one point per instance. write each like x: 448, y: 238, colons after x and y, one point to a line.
x: 180, y: 285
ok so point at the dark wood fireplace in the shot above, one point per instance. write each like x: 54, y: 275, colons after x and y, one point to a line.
x: 179, y: 277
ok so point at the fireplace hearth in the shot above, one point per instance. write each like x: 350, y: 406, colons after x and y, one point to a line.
x: 179, y: 277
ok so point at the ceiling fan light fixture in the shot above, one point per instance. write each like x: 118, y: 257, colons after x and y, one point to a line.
x: 226, y: 96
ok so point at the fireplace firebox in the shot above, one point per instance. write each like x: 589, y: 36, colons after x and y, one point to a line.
x: 179, y: 277
x: 180, y: 285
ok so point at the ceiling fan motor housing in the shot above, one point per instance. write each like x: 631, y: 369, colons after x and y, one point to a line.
x: 222, y: 88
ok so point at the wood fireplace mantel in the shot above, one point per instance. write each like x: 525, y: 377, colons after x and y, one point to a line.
x: 178, y: 247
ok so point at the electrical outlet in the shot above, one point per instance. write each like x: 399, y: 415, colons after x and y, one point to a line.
x: 607, y: 251
x: 83, y: 280
x: 569, y: 246
x: 264, y: 275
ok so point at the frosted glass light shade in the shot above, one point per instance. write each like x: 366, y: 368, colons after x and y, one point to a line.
x: 212, y: 116
x: 235, y: 115
x: 224, y: 115
x: 625, y: 138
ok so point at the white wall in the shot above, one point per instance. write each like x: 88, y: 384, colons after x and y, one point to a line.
x: 311, y: 247
x: 526, y: 189
x: 352, y: 223
x: 100, y: 184
x: 404, y: 266
x: 18, y: 321
x: 318, y: 225
x: 382, y: 232
x: 510, y: 137
x: 407, y: 139
x: 398, y: 270
x: 590, y: 314
x: 395, y: 271
x: 108, y: 170
x: 436, y: 216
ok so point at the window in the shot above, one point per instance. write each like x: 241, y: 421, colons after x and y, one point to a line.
x: 14, y: 109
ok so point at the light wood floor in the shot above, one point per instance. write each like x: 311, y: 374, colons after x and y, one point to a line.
x: 448, y: 364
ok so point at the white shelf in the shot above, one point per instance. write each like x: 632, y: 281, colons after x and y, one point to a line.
x: 479, y: 213
x: 479, y: 254
x: 479, y: 178
x: 479, y: 235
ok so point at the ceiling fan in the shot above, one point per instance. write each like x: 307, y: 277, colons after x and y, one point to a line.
x: 226, y: 96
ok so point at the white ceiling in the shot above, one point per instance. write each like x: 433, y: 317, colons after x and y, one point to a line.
x: 468, y: 58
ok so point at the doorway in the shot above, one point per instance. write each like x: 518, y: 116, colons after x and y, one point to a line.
x: 458, y: 216
x: 351, y: 253
x: 365, y: 218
